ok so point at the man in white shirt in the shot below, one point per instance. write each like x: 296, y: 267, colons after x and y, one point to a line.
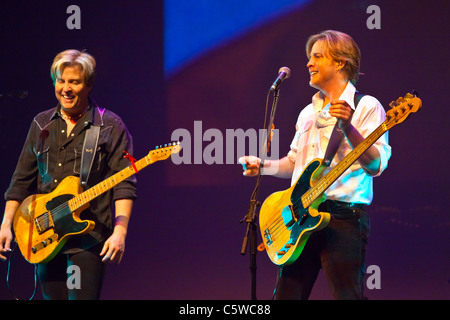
x: 339, y: 249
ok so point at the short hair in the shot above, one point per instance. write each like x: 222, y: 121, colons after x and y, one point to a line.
x: 341, y: 47
x: 73, y: 57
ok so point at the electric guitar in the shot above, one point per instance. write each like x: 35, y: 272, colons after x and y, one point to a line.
x: 287, y: 218
x: 44, y: 222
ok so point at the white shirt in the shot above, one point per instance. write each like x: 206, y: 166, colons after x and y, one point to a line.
x: 313, y: 129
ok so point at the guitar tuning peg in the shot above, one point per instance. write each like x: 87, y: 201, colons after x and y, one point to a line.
x: 400, y: 100
x: 393, y: 104
x: 408, y: 96
x: 415, y: 93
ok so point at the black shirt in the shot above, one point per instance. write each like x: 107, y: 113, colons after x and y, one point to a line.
x: 49, y: 155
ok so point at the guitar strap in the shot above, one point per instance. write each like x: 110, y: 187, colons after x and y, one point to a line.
x: 88, y: 153
x: 336, y: 137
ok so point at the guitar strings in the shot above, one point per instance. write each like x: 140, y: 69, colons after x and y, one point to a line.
x: 311, y: 195
x: 275, y: 226
x: 101, y: 187
x: 44, y: 220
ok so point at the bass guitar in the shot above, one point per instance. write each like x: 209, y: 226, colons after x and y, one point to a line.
x: 287, y: 218
x: 44, y: 222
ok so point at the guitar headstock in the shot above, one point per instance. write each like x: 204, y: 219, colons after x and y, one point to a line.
x: 164, y: 151
x: 402, y: 107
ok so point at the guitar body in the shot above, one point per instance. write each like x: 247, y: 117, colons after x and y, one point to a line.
x: 287, y: 218
x: 285, y: 224
x: 44, y: 222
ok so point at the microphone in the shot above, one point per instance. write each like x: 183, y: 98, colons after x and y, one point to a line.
x: 283, y: 73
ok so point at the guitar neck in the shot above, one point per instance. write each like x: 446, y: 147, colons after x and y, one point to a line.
x: 107, y: 184
x: 322, y: 185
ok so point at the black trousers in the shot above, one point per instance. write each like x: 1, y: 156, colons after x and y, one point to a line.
x: 339, y: 250
x: 77, y: 276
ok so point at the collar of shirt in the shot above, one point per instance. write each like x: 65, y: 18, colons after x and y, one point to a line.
x: 324, y: 118
x: 347, y: 95
x: 94, y: 114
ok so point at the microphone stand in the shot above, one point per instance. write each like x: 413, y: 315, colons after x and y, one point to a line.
x: 250, y: 218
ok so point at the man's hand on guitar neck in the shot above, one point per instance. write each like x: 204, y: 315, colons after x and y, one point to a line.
x: 370, y: 160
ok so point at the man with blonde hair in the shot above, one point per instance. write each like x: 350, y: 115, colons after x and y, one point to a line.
x: 53, y: 150
x: 339, y: 249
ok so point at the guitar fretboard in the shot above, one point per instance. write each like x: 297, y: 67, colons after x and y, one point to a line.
x: 107, y: 184
x: 322, y: 185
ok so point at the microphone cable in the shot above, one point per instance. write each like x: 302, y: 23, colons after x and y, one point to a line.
x: 8, y: 280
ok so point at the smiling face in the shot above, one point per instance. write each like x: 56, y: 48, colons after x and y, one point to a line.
x: 71, y: 90
x: 323, y: 70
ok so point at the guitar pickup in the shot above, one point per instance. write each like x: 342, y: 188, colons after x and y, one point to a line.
x: 289, y: 216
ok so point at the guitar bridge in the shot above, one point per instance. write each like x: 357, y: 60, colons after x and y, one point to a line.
x: 268, y: 237
x: 43, y: 222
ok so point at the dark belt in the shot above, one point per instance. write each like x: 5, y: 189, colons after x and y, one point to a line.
x: 330, y: 205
